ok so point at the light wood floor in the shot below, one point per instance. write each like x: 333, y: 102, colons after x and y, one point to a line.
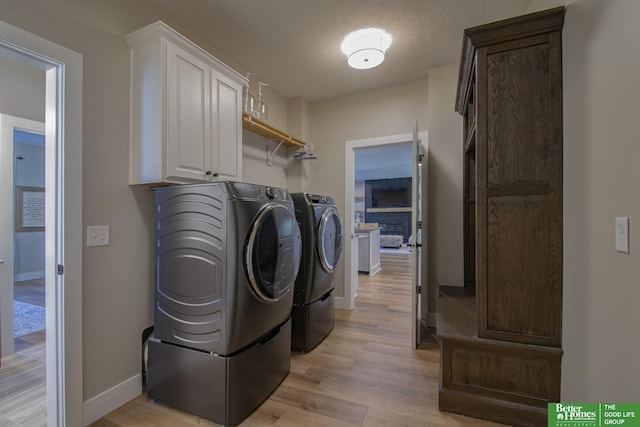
x: 23, y: 400
x: 363, y: 374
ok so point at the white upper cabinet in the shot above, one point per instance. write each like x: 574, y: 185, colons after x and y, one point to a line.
x: 186, y: 111
x: 188, y: 119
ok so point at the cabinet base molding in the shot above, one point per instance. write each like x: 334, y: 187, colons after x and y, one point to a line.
x: 498, y: 411
x: 504, y: 382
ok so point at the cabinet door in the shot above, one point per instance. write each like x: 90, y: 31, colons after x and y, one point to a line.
x: 188, y: 117
x: 519, y: 191
x: 226, y: 128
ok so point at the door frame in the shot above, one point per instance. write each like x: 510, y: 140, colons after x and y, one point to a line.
x: 8, y: 124
x: 350, y: 288
x: 63, y: 218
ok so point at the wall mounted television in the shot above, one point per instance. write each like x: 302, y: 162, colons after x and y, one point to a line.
x: 389, y: 197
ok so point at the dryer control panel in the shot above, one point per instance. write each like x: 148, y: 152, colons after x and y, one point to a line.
x: 247, y: 191
x: 319, y: 199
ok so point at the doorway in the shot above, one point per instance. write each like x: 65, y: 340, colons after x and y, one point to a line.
x: 418, y: 142
x: 29, y: 300
x: 22, y: 295
x: 62, y: 211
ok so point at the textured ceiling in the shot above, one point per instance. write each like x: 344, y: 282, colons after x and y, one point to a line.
x: 294, y: 45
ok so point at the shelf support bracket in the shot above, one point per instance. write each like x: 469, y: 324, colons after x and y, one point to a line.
x: 270, y: 155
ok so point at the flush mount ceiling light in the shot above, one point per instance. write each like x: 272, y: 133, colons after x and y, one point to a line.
x: 365, y: 48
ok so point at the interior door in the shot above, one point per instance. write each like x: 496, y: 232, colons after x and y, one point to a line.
x: 6, y: 237
x: 416, y: 239
x: 8, y: 126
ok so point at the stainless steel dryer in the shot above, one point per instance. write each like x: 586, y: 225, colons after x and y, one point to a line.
x: 313, y: 315
x: 227, y: 255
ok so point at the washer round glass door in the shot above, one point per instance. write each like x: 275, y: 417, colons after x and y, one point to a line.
x: 329, y: 239
x: 272, y: 252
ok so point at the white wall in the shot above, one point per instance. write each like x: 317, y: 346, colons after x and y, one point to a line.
x: 298, y: 125
x: 255, y: 151
x: 29, y: 245
x: 389, y: 111
x: 601, y: 62
x: 383, y: 112
x: 21, y: 89
x: 117, y: 279
x: 601, y: 176
x: 445, y: 204
x: 22, y: 95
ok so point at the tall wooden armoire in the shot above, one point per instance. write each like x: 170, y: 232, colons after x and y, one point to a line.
x: 506, y: 366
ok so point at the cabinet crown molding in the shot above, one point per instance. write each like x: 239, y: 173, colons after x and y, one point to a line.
x: 159, y: 29
x: 515, y: 28
x: 499, y: 32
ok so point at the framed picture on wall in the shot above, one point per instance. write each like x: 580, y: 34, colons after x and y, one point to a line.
x: 29, y: 208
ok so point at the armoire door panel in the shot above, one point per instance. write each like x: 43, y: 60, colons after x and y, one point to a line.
x: 518, y: 133
x: 519, y: 192
x: 518, y: 275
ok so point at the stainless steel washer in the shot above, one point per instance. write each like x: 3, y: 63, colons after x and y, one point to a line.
x: 227, y: 255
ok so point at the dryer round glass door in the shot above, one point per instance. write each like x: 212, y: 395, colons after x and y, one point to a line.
x: 272, y: 252
x: 329, y: 239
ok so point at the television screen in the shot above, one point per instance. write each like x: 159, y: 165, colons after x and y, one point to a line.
x: 389, y: 197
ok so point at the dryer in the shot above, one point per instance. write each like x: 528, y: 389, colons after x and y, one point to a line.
x: 313, y: 315
x: 226, y: 258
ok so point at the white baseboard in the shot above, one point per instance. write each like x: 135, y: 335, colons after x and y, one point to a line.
x: 431, y: 320
x: 453, y: 285
x: 375, y: 269
x: 100, y: 405
x: 342, y: 304
x: 31, y: 275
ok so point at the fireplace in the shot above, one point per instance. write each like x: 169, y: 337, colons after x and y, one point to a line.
x: 388, y: 202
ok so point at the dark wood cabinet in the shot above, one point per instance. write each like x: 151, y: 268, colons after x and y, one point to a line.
x: 510, y: 95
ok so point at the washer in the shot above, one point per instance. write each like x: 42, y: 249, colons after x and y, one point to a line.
x: 313, y: 315
x: 227, y: 255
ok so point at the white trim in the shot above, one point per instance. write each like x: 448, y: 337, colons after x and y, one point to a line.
x: 31, y: 275
x: 158, y: 29
x: 341, y: 303
x: 431, y: 319
x: 63, y: 223
x: 8, y: 124
x: 349, y: 183
x: 375, y: 269
x: 105, y: 402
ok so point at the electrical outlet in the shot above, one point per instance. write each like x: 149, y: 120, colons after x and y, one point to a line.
x: 97, y: 235
x: 622, y: 235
